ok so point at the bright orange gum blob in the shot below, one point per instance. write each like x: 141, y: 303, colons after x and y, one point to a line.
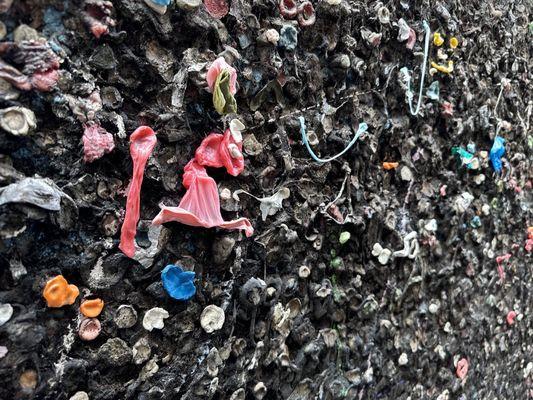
x: 59, y: 293
x: 92, y: 308
x: 390, y: 165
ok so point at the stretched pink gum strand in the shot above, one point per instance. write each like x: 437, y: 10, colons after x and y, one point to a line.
x: 142, y: 142
x: 201, y: 204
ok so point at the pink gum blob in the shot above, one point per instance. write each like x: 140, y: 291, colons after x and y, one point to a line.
x: 96, y: 142
x: 511, y: 315
x: 462, y: 368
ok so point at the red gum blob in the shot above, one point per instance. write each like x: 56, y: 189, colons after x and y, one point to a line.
x: 97, y: 17
x: 306, y: 14
x: 216, y: 8
x: 98, y: 29
x: 447, y: 109
x: 44, y: 81
x: 39, y: 62
x: 142, y: 142
x: 511, y: 315
x: 499, y: 261
x: 288, y: 8
x: 529, y: 241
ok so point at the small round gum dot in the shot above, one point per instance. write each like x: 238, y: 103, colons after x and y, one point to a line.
x: 89, y: 329
x: 57, y: 292
x: 454, y: 42
x: 92, y: 308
